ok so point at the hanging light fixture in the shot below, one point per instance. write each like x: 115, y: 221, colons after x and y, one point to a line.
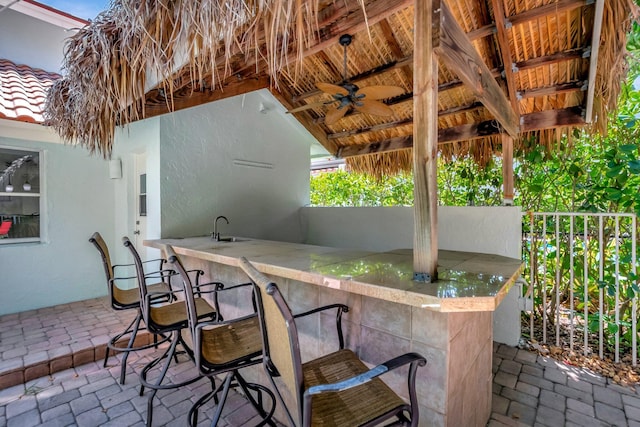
x: 27, y: 185
x: 9, y: 187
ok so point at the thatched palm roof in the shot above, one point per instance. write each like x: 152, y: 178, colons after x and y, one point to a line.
x: 540, y: 53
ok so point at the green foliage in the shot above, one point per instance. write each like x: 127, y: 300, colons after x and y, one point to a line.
x: 460, y: 183
x: 344, y: 189
x: 463, y: 183
x: 583, y: 173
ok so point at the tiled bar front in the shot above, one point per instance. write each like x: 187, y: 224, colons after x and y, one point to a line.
x: 454, y: 388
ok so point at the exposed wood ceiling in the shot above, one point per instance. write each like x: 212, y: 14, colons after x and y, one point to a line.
x: 545, y: 45
x: 515, y: 67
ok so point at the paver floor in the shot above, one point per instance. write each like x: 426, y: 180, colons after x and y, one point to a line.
x: 532, y: 390
x: 528, y: 390
x: 91, y: 396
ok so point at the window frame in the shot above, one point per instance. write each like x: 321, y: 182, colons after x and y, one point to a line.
x: 18, y: 192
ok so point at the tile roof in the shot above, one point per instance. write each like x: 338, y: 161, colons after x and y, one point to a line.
x: 23, y: 91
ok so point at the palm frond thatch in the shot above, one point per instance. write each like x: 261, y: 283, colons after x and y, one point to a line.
x: 114, y: 62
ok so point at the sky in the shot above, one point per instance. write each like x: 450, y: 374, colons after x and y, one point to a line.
x: 85, y: 9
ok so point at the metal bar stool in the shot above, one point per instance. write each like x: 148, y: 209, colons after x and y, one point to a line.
x: 168, y: 318
x: 337, y: 389
x: 127, y: 299
x: 224, y: 347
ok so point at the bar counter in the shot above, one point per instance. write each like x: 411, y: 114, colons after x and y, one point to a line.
x: 466, y: 281
x: 449, y: 321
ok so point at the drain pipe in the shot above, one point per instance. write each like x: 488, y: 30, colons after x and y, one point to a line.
x: 593, y: 66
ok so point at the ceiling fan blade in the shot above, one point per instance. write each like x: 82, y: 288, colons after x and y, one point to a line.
x: 332, y: 89
x: 335, y: 114
x: 381, y: 92
x: 310, y: 106
x: 377, y: 108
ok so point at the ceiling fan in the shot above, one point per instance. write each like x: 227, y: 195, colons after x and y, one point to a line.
x: 348, y: 95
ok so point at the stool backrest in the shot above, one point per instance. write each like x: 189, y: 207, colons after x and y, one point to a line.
x: 115, y: 293
x: 281, y: 347
x: 141, y: 279
x: 185, y: 283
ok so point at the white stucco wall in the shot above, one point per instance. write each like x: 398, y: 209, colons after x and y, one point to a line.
x: 66, y: 267
x: 26, y: 40
x: 490, y: 230
x: 142, y: 137
x: 228, y: 158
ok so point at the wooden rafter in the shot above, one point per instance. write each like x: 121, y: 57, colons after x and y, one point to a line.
x: 338, y: 18
x: 349, y: 18
x: 539, y: 12
x: 531, y: 122
x: 398, y: 123
x: 528, y: 64
x: 387, y: 31
x: 577, y: 85
x: 505, y: 53
x: 185, y: 97
x: 306, y: 121
x: 368, y: 129
x: 461, y: 57
x: 393, y: 144
x: 555, y: 58
x: 550, y: 8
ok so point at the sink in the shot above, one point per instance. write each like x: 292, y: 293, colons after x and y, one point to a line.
x: 231, y: 239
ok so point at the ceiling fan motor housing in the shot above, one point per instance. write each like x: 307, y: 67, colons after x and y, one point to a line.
x: 345, y: 39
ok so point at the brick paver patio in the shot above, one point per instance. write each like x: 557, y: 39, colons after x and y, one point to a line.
x: 51, y: 375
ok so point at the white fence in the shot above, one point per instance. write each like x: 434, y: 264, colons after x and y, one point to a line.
x: 572, y: 261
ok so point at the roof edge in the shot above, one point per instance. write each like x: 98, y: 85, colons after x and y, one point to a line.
x: 45, y: 13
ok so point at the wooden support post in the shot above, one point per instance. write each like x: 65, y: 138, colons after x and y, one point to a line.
x: 425, y: 137
x: 507, y: 170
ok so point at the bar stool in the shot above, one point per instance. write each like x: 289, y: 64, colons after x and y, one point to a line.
x: 224, y: 347
x: 127, y: 299
x: 337, y: 389
x: 168, y: 318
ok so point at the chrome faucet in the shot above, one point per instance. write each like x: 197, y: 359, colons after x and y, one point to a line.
x: 216, y: 234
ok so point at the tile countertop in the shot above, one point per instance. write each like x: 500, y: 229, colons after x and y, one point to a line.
x: 466, y: 281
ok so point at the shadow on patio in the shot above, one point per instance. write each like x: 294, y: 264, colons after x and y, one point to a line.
x: 51, y: 374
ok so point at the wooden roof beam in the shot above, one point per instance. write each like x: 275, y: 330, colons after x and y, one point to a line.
x: 574, y: 86
x: 520, y: 66
x: 185, y: 97
x: 550, y: 8
x: 339, y: 18
x: 539, y: 12
x: 455, y: 49
x: 393, y: 144
x: 305, y: 120
x: 505, y: 53
x: 387, y: 32
x: 351, y: 20
x: 374, y: 128
x: 398, y: 123
x: 531, y: 122
x: 554, y: 58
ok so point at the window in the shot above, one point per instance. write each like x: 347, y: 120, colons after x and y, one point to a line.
x: 142, y: 202
x: 19, y: 195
